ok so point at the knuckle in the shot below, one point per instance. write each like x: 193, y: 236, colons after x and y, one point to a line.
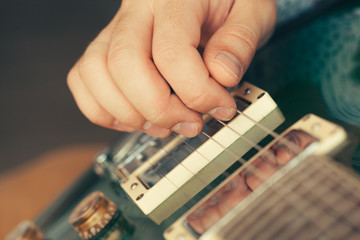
x: 159, y: 114
x: 175, y: 11
x: 86, y: 66
x: 131, y: 118
x: 243, y: 34
x: 118, y: 57
x: 97, y: 116
x: 165, y: 51
x: 120, y: 50
x: 195, y: 100
x: 91, y: 60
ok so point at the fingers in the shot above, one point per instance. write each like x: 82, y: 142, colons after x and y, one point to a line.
x: 98, y: 96
x: 230, y: 50
x: 89, y: 106
x: 122, y: 81
x: 131, y: 66
x: 82, y: 84
x: 177, y: 32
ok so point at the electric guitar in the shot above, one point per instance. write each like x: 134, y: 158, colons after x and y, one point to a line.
x: 236, y: 180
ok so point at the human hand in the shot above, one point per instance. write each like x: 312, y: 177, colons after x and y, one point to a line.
x: 123, y: 79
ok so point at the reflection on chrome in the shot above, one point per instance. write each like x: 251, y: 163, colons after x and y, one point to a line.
x: 247, y: 180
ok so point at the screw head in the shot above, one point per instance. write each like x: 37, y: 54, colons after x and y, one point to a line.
x: 154, y: 143
x: 101, y: 158
x: 315, y: 126
x: 139, y: 197
x: 140, y: 157
x: 260, y: 96
x: 133, y: 186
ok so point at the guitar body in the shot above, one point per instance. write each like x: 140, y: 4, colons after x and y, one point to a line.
x: 155, y: 211
x: 54, y: 221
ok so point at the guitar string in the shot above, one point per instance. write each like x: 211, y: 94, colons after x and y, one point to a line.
x: 290, y: 145
x: 239, y: 159
x: 338, y: 214
x: 256, y: 215
x: 257, y: 147
x: 242, y: 161
x: 226, y: 174
x: 269, y: 131
x: 307, y: 174
x: 164, y: 175
x: 287, y: 142
x: 289, y: 196
x: 252, y: 168
x: 274, y: 134
x: 206, y: 184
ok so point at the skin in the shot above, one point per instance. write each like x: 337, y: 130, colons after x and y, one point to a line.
x: 123, y: 79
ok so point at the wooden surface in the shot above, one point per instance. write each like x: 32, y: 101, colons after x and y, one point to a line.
x: 27, y: 190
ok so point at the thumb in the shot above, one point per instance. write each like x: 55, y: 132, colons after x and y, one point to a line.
x: 229, y: 51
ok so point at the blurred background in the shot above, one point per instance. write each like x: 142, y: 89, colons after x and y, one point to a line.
x: 39, y: 42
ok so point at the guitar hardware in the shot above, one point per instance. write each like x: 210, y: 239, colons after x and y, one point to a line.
x: 315, y: 199
x: 311, y: 135
x: 178, y: 168
x: 226, y: 183
x: 26, y: 230
x: 97, y: 217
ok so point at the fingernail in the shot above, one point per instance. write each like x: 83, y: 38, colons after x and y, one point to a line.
x: 122, y: 127
x: 188, y: 129
x: 155, y: 130
x: 231, y: 64
x: 222, y: 113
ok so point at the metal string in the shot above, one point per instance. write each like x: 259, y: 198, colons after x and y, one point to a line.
x: 269, y: 131
x: 207, y: 186
x: 250, y: 168
x: 273, y: 133
x: 283, y: 193
x: 259, y: 174
x: 306, y: 173
x: 276, y: 135
x: 253, y: 168
x: 256, y: 146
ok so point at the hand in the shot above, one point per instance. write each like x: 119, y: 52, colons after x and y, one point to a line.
x: 123, y: 79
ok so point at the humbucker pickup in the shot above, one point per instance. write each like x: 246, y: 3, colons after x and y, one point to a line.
x: 317, y: 199
x: 219, y: 211
x: 161, y: 175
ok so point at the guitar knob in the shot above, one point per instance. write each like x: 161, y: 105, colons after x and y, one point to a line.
x: 97, y: 217
x: 26, y: 230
